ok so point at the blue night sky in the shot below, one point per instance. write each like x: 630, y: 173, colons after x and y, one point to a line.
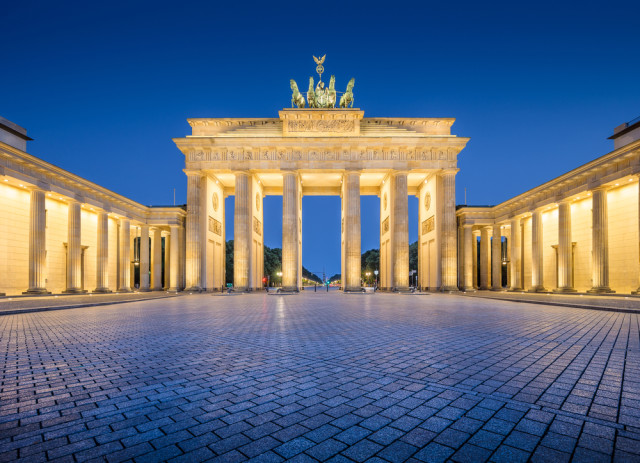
x: 537, y: 86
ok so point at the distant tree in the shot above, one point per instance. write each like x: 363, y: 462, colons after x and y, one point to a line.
x: 336, y: 277
x: 370, y: 261
x: 413, y: 256
x: 310, y: 276
x: 229, y: 262
x: 272, y: 263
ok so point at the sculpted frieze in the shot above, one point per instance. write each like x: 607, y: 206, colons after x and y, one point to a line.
x: 320, y: 154
x: 321, y: 125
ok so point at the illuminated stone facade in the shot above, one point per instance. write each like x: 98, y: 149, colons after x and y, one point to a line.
x: 61, y: 233
x: 322, y: 152
x: 576, y: 233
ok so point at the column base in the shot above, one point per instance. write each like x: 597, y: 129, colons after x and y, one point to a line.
x: 37, y: 291
x: 74, y: 291
x: 402, y: 289
x: 636, y: 292
x: 468, y: 289
x: 144, y: 290
x: 102, y: 290
x: 124, y: 290
x: 174, y: 290
x: 356, y: 289
x: 515, y: 289
x: 290, y: 289
x: 498, y: 289
x: 195, y: 289
x: 601, y: 290
x: 537, y: 289
x: 564, y: 290
x: 449, y: 288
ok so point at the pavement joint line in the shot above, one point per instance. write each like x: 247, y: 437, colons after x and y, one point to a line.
x: 551, y: 303
x: 77, y: 306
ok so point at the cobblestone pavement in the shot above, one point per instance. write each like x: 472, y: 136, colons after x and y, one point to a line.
x: 320, y: 377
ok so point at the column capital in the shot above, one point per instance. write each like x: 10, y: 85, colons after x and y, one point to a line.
x: 600, y: 188
x: 193, y: 173
x: 449, y: 171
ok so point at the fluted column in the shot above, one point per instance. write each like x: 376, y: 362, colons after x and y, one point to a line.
x: 468, y: 257
x: 485, y: 257
x: 637, y: 291
x: 156, y: 261
x: 449, y: 238
x: 74, y: 249
x: 600, y: 242
x: 290, y: 246
x: 352, y: 232
x: 242, y: 233
x: 516, y: 262
x: 475, y: 235
x: 565, y: 261
x: 144, y: 259
x: 174, y: 259
x: 167, y: 261
x: 182, y: 265
x: 37, y: 243
x: 496, y: 259
x: 537, y: 267
x: 102, y: 254
x: 125, y: 256
x: 193, y: 248
x: 400, y: 231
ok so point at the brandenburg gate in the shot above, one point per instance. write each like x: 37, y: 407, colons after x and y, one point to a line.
x: 320, y: 150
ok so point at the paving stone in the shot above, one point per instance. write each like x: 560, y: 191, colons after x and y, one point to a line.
x: 404, y: 379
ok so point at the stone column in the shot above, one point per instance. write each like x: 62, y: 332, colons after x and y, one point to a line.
x: 449, y: 251
x: 600, y: 242
x: 352, y: 232
x: 468, y: 257
x: 516, y: 262
x: 167, y: 261
x: 156, y: 261
x: 102, y: 254
x: 174, y: 259
x: 242, y: 233
x: 485, y: 258
x: 496, y: 259
x: 290, y: 246
x: 125, y: 256
x: 74, y: 249
x: 475, y: 259
x: 565, y: 261
x: 537, y: 268
x: 144, y: 259
x: 400, y: 230
x: 182, y: 259
x: 193, y: 247
x: 37, y: 243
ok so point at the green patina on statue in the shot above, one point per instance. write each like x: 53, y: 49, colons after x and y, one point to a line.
x: 321, y: 96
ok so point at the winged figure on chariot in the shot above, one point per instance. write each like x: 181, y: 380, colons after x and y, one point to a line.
x: 322, y: 96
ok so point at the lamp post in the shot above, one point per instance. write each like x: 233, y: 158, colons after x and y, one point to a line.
x: 368, y: 274
x: 375, y: 272
x: 280, y: 275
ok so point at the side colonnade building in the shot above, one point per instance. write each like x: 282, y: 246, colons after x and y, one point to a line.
x: 60, y: 233
x: 579, y: 232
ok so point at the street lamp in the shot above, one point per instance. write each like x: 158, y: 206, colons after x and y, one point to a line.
x: 368, y: 274
x: 280, y: 275
x: 375, y: 272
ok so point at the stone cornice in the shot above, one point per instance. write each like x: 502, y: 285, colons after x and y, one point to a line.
x: 35, y: 171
